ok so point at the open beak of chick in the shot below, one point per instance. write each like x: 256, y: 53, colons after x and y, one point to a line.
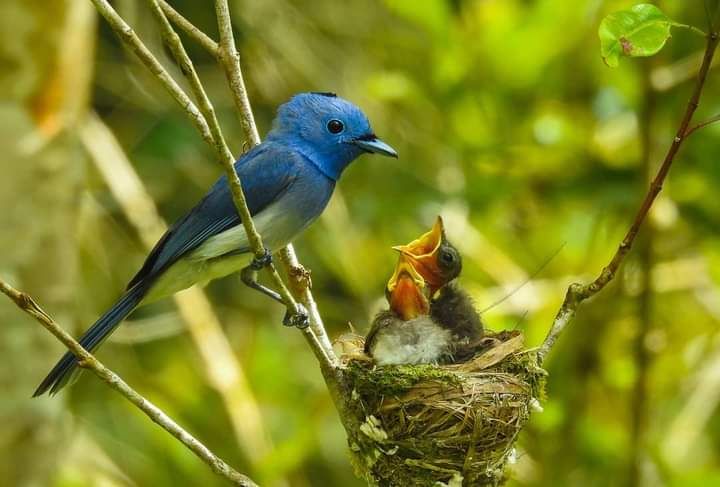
x: 422, y: 253
x: 406, y: 291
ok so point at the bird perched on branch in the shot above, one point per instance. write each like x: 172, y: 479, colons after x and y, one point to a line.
x: 287, y: 180
x: 430, y: 319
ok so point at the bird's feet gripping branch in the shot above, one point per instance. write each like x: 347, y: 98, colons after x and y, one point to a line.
x: 296, y: 318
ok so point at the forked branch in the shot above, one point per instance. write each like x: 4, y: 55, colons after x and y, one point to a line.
x: 204, y: 117
x: 577, y: 293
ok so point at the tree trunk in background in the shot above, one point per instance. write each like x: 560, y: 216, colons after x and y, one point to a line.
x: 46, y: 52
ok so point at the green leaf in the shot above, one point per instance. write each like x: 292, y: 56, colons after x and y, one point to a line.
x: 640, y: 31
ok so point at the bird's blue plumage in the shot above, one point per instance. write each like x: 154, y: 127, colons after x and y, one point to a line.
x: 287, y: 181
x: 265, y: 172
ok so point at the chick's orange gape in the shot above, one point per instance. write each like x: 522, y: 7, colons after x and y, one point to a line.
x: 406, y: 291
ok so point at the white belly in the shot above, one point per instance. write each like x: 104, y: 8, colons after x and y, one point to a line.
x: 214, y: 258
x: 186, y: 272
x: 417, y: 341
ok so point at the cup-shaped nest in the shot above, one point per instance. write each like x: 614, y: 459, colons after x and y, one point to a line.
x: 455, y: 425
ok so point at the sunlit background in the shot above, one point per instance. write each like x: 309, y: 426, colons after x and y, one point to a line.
x: 507, y: 123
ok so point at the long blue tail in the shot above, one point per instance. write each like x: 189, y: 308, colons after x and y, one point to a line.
x: 93, y: 338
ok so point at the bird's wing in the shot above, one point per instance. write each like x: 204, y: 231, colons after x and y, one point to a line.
x: 382, y: 320
x: 266, y: 171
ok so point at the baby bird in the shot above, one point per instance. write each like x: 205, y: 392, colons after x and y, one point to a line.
x: 439, y: 263
x: 405, y: 333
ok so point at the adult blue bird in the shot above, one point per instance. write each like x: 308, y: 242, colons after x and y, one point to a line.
x: 288, y: 181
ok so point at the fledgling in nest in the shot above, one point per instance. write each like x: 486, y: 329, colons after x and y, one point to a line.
x: 447, y: 403
x: 430, y: 318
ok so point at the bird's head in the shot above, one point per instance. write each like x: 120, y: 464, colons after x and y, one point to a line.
x: 433, y: 257
x: 330, y: 131
x: 406, y: 291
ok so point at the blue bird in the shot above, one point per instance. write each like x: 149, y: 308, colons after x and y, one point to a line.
x: 288, y: 181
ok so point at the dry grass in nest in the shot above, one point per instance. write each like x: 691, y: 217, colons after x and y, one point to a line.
x: 449, y: 425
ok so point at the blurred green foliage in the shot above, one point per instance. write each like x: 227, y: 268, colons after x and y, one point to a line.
x: 509, y: 125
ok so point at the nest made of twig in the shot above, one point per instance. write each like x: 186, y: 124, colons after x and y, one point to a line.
x: 443, y: 424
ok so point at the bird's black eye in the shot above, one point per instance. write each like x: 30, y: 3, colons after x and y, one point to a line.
x: 335, y: 126
x: 447, y: 257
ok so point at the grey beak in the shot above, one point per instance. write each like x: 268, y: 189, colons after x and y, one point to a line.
x: 372, y: 144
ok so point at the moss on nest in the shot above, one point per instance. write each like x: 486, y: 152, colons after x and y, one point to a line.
x: 452, y: 425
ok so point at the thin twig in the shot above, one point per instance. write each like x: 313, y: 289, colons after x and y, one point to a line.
x: 128, y: 36
x: 705, y: 123
x: 188, y: 69
x: 525, y: 281
x: 224, y: 372
x: 211, y: 133
x: 577, y: 293
x: 88, y: 361
x: 186, y: 26
x: 186, y: 66
x: 228, y: 162
x: 230, y: 61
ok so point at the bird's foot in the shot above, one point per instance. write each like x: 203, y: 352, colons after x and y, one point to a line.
x: 298, y: 318
x: 259, y: 263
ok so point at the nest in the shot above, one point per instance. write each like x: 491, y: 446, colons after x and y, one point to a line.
x: 454, y: 425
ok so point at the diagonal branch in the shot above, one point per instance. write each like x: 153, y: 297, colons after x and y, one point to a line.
x: 188, y: 69
x: 186, y: 66
x: 128, y: 36
x: 224, y: 372
x: 702, y: 124
x: 577, y: 293
x: 88, y: 361
x: 211, y: 133
x: 230, y: 61
x: 229, y: 58
x: 206, y: 121
x: 186, y: 26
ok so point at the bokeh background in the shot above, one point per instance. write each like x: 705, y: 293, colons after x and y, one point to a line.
x: 508, y: 124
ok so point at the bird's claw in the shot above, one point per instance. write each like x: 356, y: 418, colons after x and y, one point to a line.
x: 298, y: 318
x: 259, y: 263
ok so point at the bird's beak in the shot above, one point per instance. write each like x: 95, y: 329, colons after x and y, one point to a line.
x: 422, y: 253
x: 405, y: 291
x: 404, y: 268
x: 370, y: 143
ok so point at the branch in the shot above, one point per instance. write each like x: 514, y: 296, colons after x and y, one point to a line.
x: 577, y: 293
x: 128, y: 36
x: 88, y: 361
x: 230, y: 61
x: 193, y: 32
x: 299, y: 279
x: 228, y: 161
x: 206, y: 123
x: 702, y: 124
x: 224, y: 372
